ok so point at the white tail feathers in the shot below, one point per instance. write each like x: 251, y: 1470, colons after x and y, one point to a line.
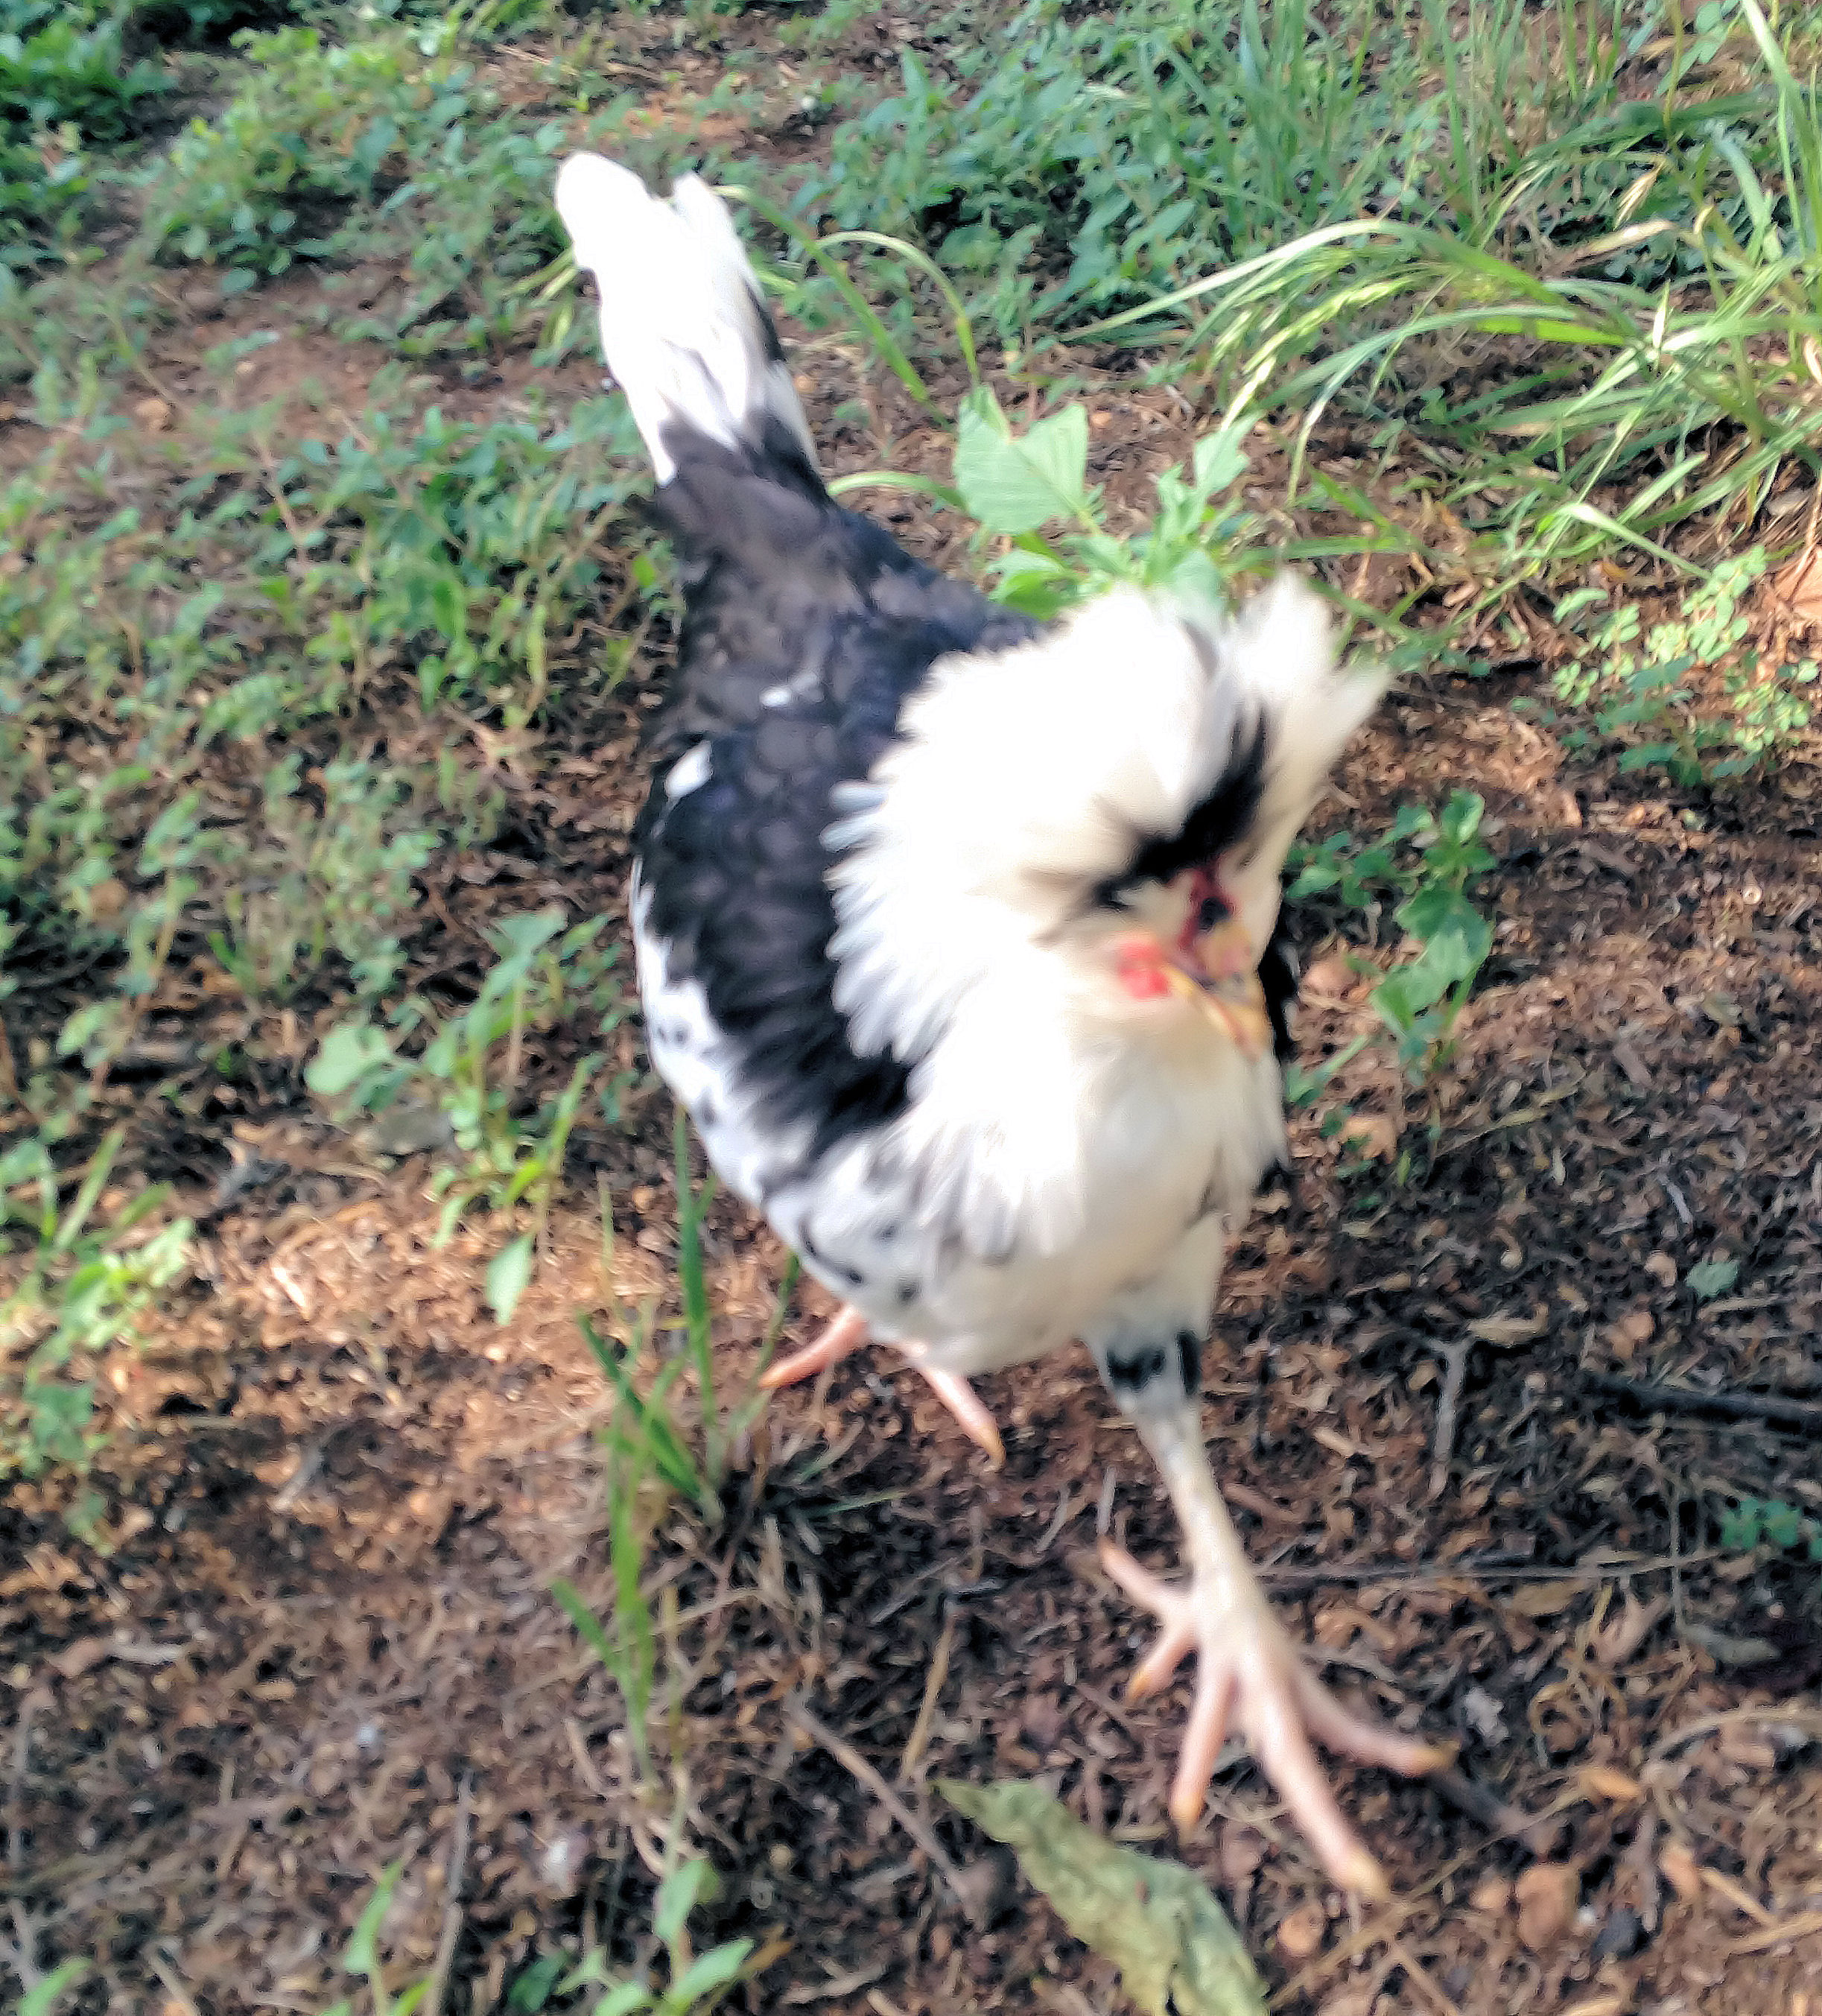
x: 683, y: 327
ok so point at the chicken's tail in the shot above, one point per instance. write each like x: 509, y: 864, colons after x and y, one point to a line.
x: 684, y: 327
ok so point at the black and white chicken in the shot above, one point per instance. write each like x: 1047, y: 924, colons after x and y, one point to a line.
x: 955, y: 938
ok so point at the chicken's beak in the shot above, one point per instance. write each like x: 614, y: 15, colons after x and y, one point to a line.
x: 1218, y: 973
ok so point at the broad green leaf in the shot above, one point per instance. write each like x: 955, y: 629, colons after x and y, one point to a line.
x: 1155, y: 1920
x: 348, y: 1053
x: 679, y: 1895
x: 1312, y: 881
x: 1455, y: 938
x: 1038, y: 584
x: 507, y: 1274
x: 1016, y: 483
x: 715, y: 1969
x: 532, y: 1989
x: 1461, y: 816
x: 1195, y: 577
x: 1713, y: 1277
x: 22, y: 1161
x: 1220, y: 460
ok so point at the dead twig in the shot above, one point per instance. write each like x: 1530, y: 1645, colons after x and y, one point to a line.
x: 452, y: 1927
x: 1471, y: 1567
x: 36, y: 1700
x: 1420, y: 1980
x: 1454, y: 1357
x: 181, y: 1997
x: 1651, y: 1397
x: 1535, y: 1834
x: 933, y: 1685
x: 1791, y: 1714
x: 920, y: 1831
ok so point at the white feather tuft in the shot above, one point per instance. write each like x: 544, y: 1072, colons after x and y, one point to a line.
x: 1025, y: 776
x: 1280, y: 651
x: 1022, y: 778
x: 683, y: 326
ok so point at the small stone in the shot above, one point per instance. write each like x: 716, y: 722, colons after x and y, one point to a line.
x: 1681, y: 1871
x: 1546, y: 1893
x: 76, y: 1660
x: 1492, y: 1895
x: 1621, y: 1937
x: 1662, y: 1269
x: 1301, y: 1933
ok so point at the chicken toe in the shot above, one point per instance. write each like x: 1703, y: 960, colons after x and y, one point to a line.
x: 845, y: 1333
x: 841, y: 1337
x: 1248, y: 1673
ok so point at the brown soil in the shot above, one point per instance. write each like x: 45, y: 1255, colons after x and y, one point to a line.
x: 323, y: 1640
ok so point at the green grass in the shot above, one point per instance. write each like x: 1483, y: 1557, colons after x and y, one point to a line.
x: 1576, y: 317
x: 651, y: 1456
x: 87, y: 1280
x: 694, y: 1984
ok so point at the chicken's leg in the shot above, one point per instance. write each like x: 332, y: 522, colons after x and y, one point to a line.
x: 846, y: 1333
x: 841, y: 1337
x: 1248, y: 1670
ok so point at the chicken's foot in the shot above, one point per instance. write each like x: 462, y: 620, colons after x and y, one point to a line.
x: 1248, y: 1671
x: 846, y: 1333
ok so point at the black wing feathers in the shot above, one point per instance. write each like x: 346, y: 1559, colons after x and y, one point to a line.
x: 807, y: 628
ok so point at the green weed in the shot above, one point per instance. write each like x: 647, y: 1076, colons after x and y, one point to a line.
x: 362, y: 1956
x: 1303, y: 214
x: 61, y: 63
x: 292, y: 590
x: 695, y: 1984
x: 1083, y: 164
x: 67, y: 84
x: 649, y: 1460
x: 1691, y: 695
x: 43, y: 1995
x: 311, y: 129
x: 387, y: 145
x: 1429, y: 862
x: 1014, y: 484
x: 87, y: 1281
x: 1757, y: 1522
x: 465, y: 1081
x: 1710, y: 1278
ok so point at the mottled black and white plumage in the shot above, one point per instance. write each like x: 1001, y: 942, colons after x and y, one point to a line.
x: 955, y: 932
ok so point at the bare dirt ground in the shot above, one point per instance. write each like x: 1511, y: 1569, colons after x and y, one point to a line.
x: 323, y: 1641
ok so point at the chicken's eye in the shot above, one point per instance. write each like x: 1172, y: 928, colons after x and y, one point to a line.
x: 1211, y: 913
